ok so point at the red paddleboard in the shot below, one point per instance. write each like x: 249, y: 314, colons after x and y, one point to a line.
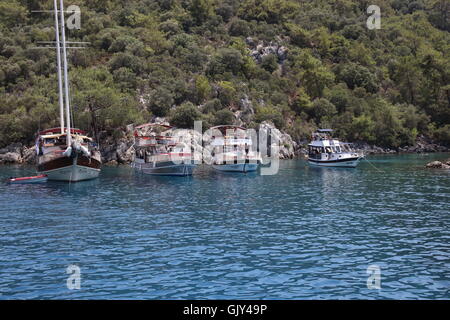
x: 35, y: 179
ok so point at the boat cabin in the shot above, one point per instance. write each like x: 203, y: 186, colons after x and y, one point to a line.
x: 230, y: 137
x: 155, y: 142
x: 52, y: 141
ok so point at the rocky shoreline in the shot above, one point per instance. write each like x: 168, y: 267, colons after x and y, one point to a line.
x: 439, y: 165
x: 119, y: 151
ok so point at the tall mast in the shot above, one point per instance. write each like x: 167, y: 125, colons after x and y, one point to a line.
x: 66, y: 77
x: 58, y: 55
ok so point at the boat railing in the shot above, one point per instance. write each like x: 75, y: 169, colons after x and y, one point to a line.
x: 151, y: 141
x: 50, y: 155
x: 172, y: 156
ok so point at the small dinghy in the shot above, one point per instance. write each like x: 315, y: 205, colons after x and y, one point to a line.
x: 36, y: 179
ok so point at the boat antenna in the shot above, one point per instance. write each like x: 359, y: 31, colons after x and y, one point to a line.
x: 60, y: 83
x: 66, y: 76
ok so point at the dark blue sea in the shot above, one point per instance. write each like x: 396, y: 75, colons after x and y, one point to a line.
x: 305, y: 233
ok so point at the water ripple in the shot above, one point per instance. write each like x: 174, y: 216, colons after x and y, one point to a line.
x: 306, y: 233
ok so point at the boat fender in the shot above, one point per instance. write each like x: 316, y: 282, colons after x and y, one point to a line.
x: 76, y: 146
x: 68, y: 152
x: 85, y: 151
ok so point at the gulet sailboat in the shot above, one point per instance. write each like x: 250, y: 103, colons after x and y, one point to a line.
x: 158, y: 153
x: 65, y: 153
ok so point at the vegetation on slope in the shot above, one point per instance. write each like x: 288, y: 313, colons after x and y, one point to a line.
x: 191, y: 59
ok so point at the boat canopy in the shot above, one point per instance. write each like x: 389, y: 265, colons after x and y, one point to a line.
x: 325, y: 130
x: 55, y: 136
x: 58, y: 131
x: 223, y: 129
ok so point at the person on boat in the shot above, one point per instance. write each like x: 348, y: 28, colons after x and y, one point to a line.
x: 40, y: 146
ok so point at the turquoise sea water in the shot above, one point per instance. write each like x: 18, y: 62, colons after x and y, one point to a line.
x: 306, y: 233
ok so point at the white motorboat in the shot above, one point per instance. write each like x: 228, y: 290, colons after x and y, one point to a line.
x: 325, y: 151
x: 233, y: 150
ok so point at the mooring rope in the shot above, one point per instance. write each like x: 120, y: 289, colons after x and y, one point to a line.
x: 373, y: 165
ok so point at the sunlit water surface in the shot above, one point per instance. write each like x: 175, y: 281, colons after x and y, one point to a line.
x: 306, y: 233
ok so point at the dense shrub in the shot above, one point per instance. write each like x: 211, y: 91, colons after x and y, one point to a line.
x: 184, y: 116
x: 174, y: 58
x: 224, y: 117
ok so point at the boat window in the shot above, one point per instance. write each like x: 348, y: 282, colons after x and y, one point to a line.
x: 49, y: 141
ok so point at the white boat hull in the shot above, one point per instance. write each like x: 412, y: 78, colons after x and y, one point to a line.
x: 240, y: 167
x: 346, y: 163
x: 73, y: 173
x: 180, y: 170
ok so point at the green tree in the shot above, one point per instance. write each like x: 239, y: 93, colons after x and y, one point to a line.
x: 355, y: 75
x: 362, y: 129
x: 302, y: 102
x: 323, y: 108
x: 226, y: 93
x: 270, y: 63
x: 314, y: 76
x: 201, y: 10
x: 203, y: 88
x: 268, y: 113
x: 160, y: 101
x: 185, y: 115
x: 226, y: 60
x: 12, y: 13
x: 224, y: 117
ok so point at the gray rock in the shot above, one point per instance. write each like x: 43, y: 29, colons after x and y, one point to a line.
x: 29, y: 155
x: 263, y: 50
x: 10, y: 157
x: 256, y: 55
x: 14, y: 148
x: 438, y: 165
x: 250, y: 41
x: 112, y: 163
x: 286, y: 143
x: 246, y: 105
x: 130, y: 128
x: 126, y: 156
x: 124, y: 150
x: 282, y: 53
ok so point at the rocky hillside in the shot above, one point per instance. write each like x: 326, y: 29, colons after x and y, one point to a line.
x: 297, y: 64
